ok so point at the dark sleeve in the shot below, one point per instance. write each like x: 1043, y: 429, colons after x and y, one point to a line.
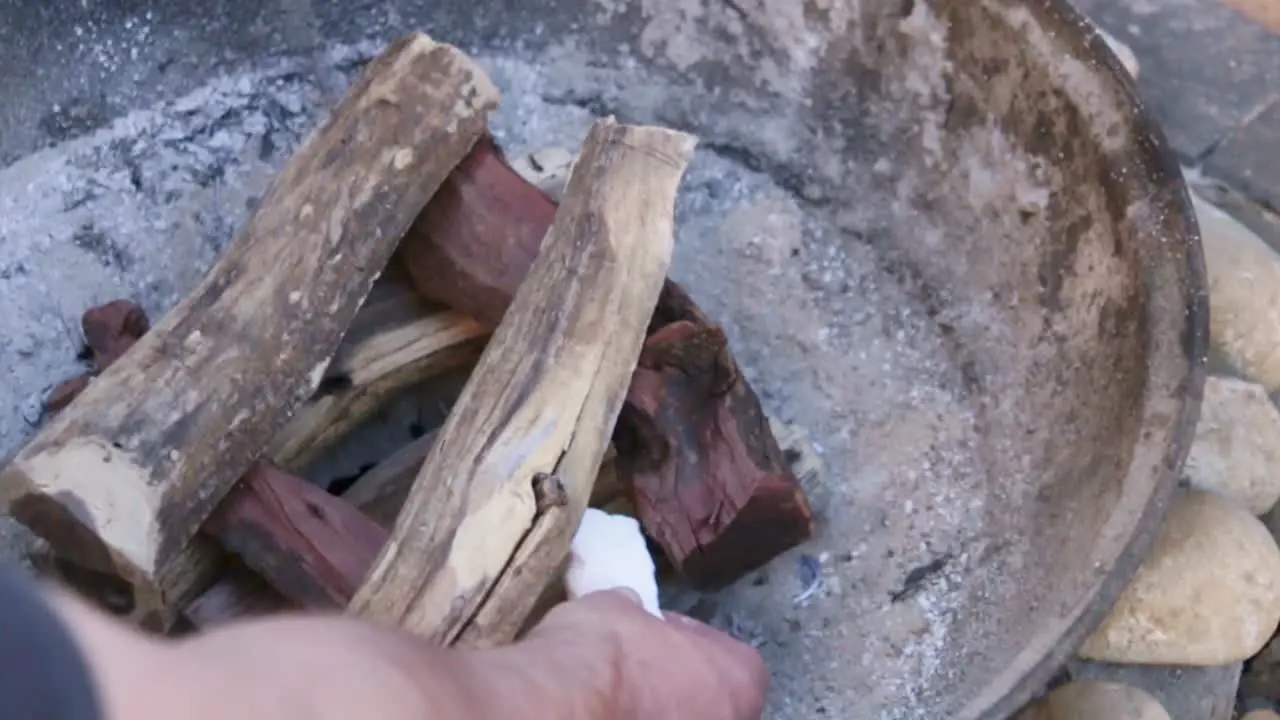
x: 42, y: 673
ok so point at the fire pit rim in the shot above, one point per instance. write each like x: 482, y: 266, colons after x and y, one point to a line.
x: 1162, y: 168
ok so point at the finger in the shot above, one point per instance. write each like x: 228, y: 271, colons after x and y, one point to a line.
x: 740, y: 663
x: 590, y: 608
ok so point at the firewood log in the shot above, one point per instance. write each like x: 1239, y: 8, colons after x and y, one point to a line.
x: 696, y: 455
x: 395, y: 342
x: 490, y: 516
x: 122, y: 479
x: 303, y: 540
x: 312, y: 547
x: 380, y: 493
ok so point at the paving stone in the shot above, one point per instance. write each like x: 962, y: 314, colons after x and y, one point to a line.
x: 1186, y: 693
x: 1246, y: 210
x: 1249, y: 159
x: 1206, y: 69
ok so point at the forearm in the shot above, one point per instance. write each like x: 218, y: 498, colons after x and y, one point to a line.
x: 318, y: 668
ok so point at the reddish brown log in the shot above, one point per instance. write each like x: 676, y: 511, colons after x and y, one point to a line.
x: 733, y: 503
x: 706, y: 476
x: 66, y: 391
x: 311, y: 546
x: 478, y: 236
x: 109, y: 331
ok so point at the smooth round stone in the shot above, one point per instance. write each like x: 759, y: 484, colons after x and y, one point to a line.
x: 1237, y: 445
x: 1095, y: 700
x: 1208, y: 593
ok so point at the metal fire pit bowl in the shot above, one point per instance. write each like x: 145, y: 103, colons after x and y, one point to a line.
x: 951, y: 249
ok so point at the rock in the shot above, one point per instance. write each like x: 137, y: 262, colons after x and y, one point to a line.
x: 1186, y: 693
x: 1095, y: 700
x: 1237, y: 445
x: 1207, y: 594
x: 1244, y: 295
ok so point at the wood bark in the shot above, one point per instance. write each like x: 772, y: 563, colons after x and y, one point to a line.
x: 122, y: 479
x: 702, y: 467
x: 489, y: 519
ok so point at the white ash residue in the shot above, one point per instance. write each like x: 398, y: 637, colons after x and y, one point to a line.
x: 870, y: 620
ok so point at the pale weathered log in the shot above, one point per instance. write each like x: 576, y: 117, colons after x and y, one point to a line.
x: 381, y: 492
x: 695, y: 454
x: 396, y: 341
x: 489, y: 519
x: 123, y: 478
x: 310, y: 547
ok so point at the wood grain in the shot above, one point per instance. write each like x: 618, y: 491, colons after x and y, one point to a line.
x: 381, y: 492
x: 310, y: 546
x: 490, y: 516
x: 123, y: 478
x: 396, y: 341
x: 318, y: 560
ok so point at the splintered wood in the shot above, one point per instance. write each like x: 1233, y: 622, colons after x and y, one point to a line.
x: 122, y: 478
x: 395, y: 342
x: 491, y: 514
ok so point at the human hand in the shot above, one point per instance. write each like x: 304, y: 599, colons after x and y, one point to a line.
x: 621, y: 663
x: 600, y: 657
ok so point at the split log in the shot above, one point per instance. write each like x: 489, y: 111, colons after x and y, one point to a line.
x: 703, y: 468
x: 491, y: 514
x: 396, y: 341
x: 312, y: 547
x: 123, y: 478
x: 111, y: 329
x: 381, y: 492
x: 739, y: 489
x: 298, y: 536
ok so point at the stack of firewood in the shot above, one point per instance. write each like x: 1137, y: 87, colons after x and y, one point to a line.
x: 397, y: 244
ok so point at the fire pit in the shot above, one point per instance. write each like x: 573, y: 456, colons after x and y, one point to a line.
x: 949, y: 251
